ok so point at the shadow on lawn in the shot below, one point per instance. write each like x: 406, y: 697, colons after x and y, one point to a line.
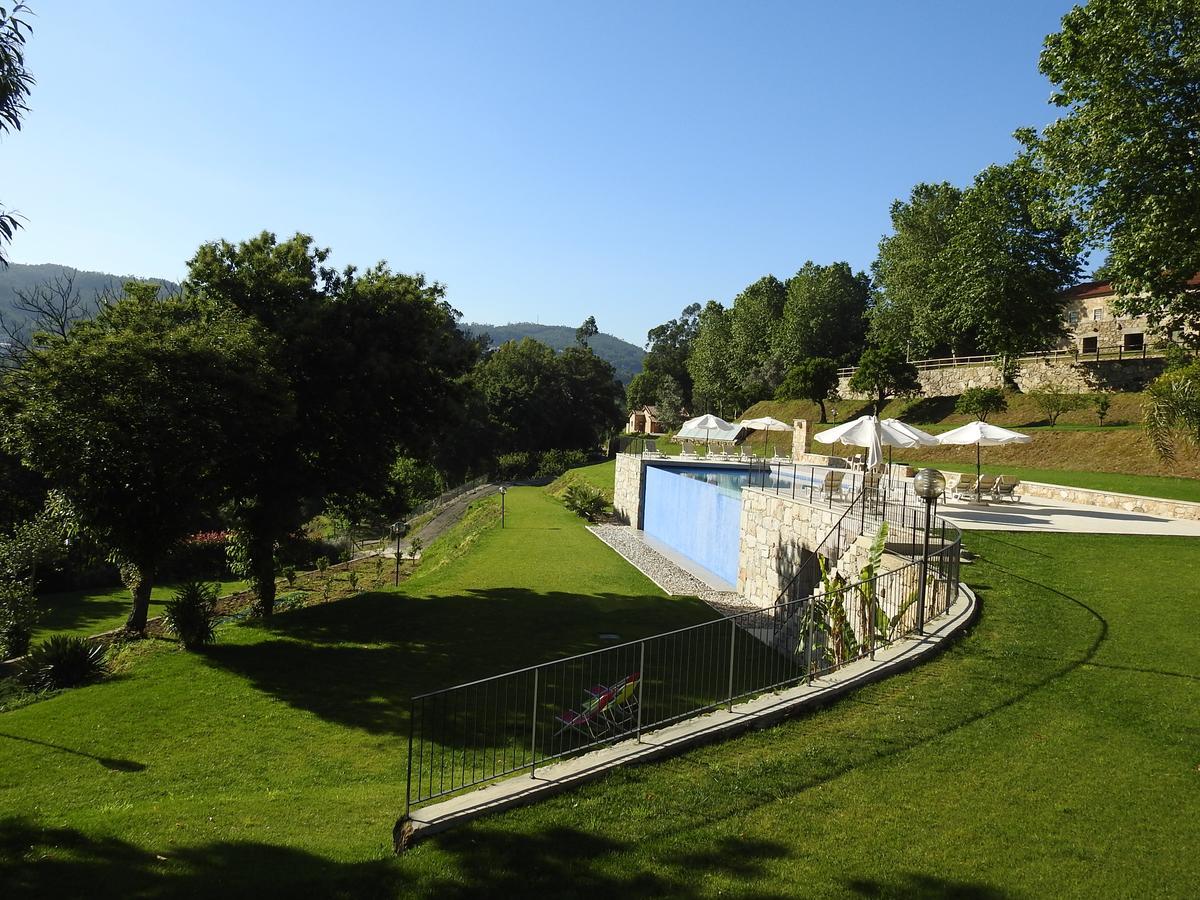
x: 111, y: 763
x: 38, y: 861
x: 358, y: 661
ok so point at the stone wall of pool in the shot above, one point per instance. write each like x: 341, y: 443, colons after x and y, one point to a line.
x: 753, y: 539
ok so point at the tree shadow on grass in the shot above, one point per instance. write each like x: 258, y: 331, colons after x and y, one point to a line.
x: 40, y: 861
x: 357, y: 662
x: 108, y: 762
x: 916, y: 886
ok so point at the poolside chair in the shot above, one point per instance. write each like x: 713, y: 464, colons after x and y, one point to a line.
x: 590, y: 718
x: 871, y: 482
x: 688, y: 451
x: 650, y: 449
x: 622, y: 707
x: 744, y: 453
x: 832, y: 483
x: 1006, y: 491
x: 964, y: 488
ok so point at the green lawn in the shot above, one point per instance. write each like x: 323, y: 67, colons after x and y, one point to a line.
x: 97, y: 610
x: 1144, y: 485
x: 1051, y: 752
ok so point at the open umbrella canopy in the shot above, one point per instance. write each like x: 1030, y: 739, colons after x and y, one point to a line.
x: 708, y: 427
x: 865, y: 431
x: 916, y: 434
x: 981, y: 434
x: 765, y: 423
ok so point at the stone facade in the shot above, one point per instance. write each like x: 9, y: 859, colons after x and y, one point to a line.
x: 799, y: 439
x: 627, y: 489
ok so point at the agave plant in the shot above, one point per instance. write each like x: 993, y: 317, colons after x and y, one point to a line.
x: 189, y: 614
x: 62, y: 661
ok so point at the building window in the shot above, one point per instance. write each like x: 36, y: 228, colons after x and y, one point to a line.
x: 1090, y: 344
x: 1134, y: 341
x: 1097, y: 314
x: 1073, y: 317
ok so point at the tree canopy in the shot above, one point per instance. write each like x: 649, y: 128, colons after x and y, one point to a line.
x: 824, y: 315
x: 883, y: 372
x: 813, y: 379
x: 16, y: 81
x: 1123, y: 157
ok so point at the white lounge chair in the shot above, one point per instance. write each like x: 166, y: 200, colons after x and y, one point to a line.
x: 1006, y: 491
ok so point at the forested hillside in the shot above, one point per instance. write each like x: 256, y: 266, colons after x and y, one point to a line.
x: 19, y: 277
x: 625, y: 357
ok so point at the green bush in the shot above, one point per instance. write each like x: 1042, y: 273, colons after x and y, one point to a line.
x: 516, y: 466
x: 62, y: 661
x: 981, y: 402
x: 18, y: 614
x: 189, y: 614
x: 554, y: 462
x: 585, y: 500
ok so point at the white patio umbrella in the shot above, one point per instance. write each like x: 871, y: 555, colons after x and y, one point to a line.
x: 767, y: 424
x: 865, y: 431
x: 892, y: 426
x: 981, y: 434
x: 708, y: 423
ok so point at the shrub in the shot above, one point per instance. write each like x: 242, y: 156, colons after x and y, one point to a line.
x: 981, y: 402
x: 189, y: 614
x: 1102, y: 402
x: 62, y: 661
x: 352, y: 580
x: 18, y: 614
x: 554, y: 462
x: 585, y: 500
x: 203, y: 555
x: 515, y: 466
x: 289, y: 574
x: 1054, y: 400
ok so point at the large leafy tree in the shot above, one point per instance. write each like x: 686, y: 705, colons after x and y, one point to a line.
x: 372, y: 360
x: 883, y: 372
x: 714, y: 388
x: 1173, y: 410
x: 905, y: 316
x: 667, y: 349
x: 142, y: 417
x: 812, y: 379
x: 753, y: 320
x: 1003, y: 273
x: 1125, y: 156
x: 16, y: 81
x: 824, y: 315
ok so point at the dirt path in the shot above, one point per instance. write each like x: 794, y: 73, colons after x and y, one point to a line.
x: 444, y: 519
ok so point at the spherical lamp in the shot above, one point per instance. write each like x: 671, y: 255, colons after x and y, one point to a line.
x: 929, y: 484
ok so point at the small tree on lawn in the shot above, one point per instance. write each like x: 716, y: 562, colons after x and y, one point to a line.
x: 1054, y: 399
x: 981, y: 402
x: 1102, y: 402
x: 884, y: 372
x: 812, y: 379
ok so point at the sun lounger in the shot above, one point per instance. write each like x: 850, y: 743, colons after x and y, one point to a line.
x: 832, y: 484
x: 744, y: 453
x: 621, y: 710
x: 1005, y: 491
x: 970, y: 488
x: 590, y: 718
x: 688, y: 451
x: 650, y: 449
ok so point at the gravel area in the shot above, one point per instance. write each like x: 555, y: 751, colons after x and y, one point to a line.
x: 668, y: 576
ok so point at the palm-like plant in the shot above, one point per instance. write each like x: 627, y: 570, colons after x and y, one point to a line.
x: 1173, y: 410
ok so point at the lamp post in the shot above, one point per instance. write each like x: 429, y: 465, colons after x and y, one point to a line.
x: 503, y: 491
x: 398, y: 529
x: 928, y: 484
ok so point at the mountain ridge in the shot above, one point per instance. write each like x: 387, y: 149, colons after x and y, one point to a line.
x: 625, y: 357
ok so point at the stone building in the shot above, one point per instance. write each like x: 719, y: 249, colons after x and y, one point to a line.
x: 1094, y: 326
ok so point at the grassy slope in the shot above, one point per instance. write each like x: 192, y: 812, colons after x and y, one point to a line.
x: 93, y: 611
x: 1050, y: 753
x: 278, y: 755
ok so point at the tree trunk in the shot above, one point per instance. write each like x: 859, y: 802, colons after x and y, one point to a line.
x: 140, y: 584
x: 263, y: 573
x: 821, y: 403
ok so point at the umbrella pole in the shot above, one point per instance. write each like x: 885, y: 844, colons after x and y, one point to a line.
x: 977, y: 471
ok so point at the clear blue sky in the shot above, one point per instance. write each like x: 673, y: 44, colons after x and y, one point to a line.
x: 546, y: 161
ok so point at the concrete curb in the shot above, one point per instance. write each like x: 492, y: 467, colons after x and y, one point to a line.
x: 760, y: 712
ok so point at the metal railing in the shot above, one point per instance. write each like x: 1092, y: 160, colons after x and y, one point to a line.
x: 473, y: 733
x: 1075, y: 354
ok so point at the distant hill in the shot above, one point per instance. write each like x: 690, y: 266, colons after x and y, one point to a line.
x: 21, y: 277
x: 625, y: 357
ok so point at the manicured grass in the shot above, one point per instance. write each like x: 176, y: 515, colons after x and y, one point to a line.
x: 1051, y: 752
x: 279, y: 754
x: 1145, y: 485
x: 96, y: 610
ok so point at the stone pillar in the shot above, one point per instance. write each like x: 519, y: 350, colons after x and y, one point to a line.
x: 799, y: 439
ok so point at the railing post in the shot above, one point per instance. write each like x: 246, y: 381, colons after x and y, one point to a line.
x: 732, y: 648
x: 408, y: 782
x: 808, y: 641
x: 641, y: 684
x: 873, y: 613
x: 533, y: 729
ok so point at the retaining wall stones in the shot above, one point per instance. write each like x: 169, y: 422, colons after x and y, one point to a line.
x: 627, y: 489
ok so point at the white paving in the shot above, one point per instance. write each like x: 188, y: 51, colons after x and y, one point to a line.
x: 1057, y: 515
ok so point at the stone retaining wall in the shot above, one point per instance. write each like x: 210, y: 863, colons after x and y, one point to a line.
x: 1153, y: 506
x: 627, y: 489
x: 1082, y: 377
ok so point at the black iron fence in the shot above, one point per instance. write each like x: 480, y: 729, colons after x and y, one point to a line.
x: 466, y: 735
